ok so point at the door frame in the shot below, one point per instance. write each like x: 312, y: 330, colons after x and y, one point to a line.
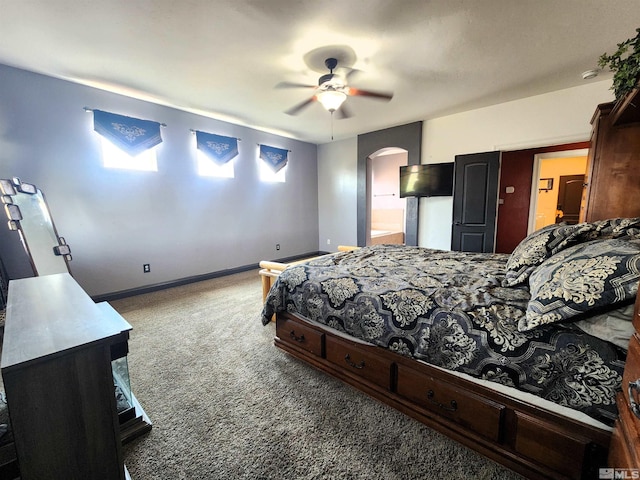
x: 466, y: 193
x: 375, y: 157
x: 409, y: 138
x: 535, y: 180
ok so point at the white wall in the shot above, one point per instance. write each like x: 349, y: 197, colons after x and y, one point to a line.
x: 182, y: 224
x: 553, y: 118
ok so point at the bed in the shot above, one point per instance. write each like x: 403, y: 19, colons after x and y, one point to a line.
x: 519, y: 356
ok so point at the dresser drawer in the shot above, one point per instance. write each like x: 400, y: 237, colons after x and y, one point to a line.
x: 624, y: 451
x: 543, y: 442
x: 469, y: 410
x: 632, y: 374
x: 301, y: 336
x: 355, y: 358
x: 619, y: 453
x: 625, y: 445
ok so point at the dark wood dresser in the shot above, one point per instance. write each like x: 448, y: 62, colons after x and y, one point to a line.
x: 613, y: 190
x: 57, y: 371
x: 624, y: 451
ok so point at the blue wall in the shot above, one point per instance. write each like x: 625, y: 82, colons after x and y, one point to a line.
x: 182, y: 224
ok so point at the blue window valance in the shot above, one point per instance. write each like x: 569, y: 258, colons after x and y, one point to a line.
x: 276, y: 158
x: 217, y: 147
x: 130, y: 134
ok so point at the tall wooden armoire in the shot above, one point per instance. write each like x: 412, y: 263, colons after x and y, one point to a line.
x: 613, y: 168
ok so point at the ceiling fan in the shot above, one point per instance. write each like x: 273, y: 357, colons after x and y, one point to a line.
x: 332, y: 90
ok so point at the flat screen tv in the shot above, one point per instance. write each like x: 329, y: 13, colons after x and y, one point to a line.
x: 431, y: 180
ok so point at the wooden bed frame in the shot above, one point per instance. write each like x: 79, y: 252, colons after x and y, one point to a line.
x: 518, y: 434
x: 269, y: 270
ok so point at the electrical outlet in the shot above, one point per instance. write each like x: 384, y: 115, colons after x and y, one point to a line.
x: 328, y: 241
x: 146, y: 268
x: 277, y: 246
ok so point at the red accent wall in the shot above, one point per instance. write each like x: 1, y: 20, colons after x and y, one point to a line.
x: 516, y: 170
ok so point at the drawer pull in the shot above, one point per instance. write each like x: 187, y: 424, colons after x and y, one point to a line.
x: 297, y: 339
x: 347, y: 359
x: 635, y: 408
x: 453, y: 404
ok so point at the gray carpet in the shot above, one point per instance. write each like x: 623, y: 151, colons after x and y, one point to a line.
x: 226, y: 404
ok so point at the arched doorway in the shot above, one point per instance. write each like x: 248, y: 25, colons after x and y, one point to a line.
x: 406, y: 137
x: 386, y: 211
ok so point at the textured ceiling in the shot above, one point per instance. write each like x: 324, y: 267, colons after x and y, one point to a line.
x: 223, y: 58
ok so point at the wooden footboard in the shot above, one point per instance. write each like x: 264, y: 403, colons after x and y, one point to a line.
x: 269, y: 270
x: 532, y: 441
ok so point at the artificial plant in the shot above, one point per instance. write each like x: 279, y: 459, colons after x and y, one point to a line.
x: 625, y: 65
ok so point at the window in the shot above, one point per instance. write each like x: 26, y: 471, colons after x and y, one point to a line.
x: 272, y: 162
x: 115, y: 157
x: 208, y: 168
x: 215, y: 154
x: 127, y: 142
x: 268, y: 175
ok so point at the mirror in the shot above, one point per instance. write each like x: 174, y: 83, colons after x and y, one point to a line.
x: 30, y: 224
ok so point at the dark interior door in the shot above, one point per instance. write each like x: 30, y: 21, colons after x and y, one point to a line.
x: 569, y: 198
x: 475, y: 200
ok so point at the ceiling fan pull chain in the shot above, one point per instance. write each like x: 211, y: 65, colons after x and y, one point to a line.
x: 331, y: 126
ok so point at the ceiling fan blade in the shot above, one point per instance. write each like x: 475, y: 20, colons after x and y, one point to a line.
x: 300, y: 106
x: 343, y: 112
x: 294, y: 85
x: 369, y: 93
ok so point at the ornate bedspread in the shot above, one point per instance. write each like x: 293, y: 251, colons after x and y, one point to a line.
x: 449, y: 309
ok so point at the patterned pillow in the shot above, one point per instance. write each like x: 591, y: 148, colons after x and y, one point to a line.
x: 613, y: 228
x: 588, y: 276
x: 537, y: 247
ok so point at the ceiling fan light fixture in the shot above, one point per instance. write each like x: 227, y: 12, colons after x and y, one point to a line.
x: 331, y: 99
